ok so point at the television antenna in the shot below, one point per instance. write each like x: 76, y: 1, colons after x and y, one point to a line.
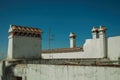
x: 50, y: 38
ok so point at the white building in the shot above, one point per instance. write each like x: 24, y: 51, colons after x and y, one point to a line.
x: 98, y: 47
x: 24, y: 42
x: 98, y: 59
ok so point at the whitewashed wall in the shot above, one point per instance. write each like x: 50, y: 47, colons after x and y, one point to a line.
x: 10, y: 47
x: 68, y: 55
x: 91, y: 50
x: 1, y: 69
x: 24, y: 47
x: 114, y: 48
x: 66, y: 72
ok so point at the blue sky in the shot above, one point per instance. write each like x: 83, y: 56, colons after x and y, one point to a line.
x: 61, y: 16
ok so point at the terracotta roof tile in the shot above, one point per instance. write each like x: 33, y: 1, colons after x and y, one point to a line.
x: 16, y: 28
x: 62, y: 50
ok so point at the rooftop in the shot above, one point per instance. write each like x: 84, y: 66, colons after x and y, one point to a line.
x: 62, y: 50
x: 16, y: 28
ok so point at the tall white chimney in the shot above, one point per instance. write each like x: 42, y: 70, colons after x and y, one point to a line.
x: 24, y: 42
x: 95, y: 34
x: 72, y: 40
x: 103, y: 41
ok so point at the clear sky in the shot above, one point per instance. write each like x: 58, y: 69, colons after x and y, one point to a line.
x: 61, y: 16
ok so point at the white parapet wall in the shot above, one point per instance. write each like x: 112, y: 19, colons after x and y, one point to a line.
x: 69, y: 55
x: 65, y: 72
x: 91, y: 49
x: 114, y: 48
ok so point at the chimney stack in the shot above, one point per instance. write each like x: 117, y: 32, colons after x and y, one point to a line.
x: 72, y: 40
x: 24, y: 42
x: 103, y: 40
x: 95, y: 34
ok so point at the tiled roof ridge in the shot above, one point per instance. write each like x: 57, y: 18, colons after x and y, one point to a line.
x: 16, y: 30
x: 13, y: 25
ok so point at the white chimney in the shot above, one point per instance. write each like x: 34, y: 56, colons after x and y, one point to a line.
x: 72, y: 40
x: 103, y: 40
x: 95, y: 34
x: 24, y: 42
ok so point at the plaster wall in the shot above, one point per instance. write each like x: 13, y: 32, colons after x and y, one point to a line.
x: 1, y: 69
x: 68, y: 55
x: 66, y: 72
x: 24, y: 47
x: 114, y: 48
x: 91, y: 50
x: 72, y: 42
x: 10, y: 47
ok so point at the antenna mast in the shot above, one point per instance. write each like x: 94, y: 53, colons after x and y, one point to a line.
x: 50, y: 38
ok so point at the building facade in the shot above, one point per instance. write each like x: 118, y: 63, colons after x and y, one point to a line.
x: 98, y: 47
x: 97, y: 59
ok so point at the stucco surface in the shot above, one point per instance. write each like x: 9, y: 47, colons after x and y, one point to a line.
x: 66, y: 72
